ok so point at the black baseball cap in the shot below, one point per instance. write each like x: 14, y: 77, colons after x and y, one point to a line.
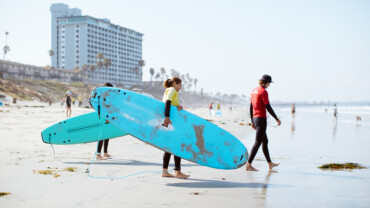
x: 266, y: 78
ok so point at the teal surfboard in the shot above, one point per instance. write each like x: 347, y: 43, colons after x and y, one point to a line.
x: 81, y: 129
x: 189, y: 137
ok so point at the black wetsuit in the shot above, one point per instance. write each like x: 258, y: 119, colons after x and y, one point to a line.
x: 106, y: 141
x: 261, y: 137
x: 68, y: 101
x: 167, y: 156
x: 100, y: 145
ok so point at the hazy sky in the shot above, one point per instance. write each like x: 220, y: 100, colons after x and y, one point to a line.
x: 313, y: 49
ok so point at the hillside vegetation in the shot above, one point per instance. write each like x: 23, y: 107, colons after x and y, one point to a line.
x: 53, y: 91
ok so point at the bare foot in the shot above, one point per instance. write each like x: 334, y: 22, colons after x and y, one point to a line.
x: 271, y: 165
x: 165, y: 173
x: 98, y: 157
x: 179, y: 174
x: 250, y: 168
x: 107, y: 155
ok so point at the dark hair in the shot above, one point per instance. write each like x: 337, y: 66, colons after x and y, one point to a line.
x: 108, y: 84
x: 262, y: 82
x: 169, y: 82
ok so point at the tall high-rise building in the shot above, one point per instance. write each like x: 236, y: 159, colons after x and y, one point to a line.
x: 77, y: 39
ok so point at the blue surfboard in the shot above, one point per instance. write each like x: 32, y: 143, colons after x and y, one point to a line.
x: 81, y: 129
x: 189, y: 137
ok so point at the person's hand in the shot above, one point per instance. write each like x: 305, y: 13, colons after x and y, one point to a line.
x: 166, y: 122
x: 253, y: 126
x: 279, y: 122
x: 179, y: 108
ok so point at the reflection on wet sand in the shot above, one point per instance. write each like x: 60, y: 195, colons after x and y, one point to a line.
x: 292, y: 130
x: 261, y: 193
x: 334, y: 128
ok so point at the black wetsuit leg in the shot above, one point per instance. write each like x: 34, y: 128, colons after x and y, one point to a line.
x: 261, y: 138
x: 106, y: 145
x: 177, y: 162
x: 166, y: 161
x: 100, y: 145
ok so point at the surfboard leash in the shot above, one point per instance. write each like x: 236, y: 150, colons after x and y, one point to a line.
x: 111, y: 177
x: 52, y: 146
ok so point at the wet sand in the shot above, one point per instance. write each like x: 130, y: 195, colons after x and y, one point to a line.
x: 297, y: 182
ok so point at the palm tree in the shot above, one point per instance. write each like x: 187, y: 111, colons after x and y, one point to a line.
x: 157, y: 76
x: 163, y: 72
x: 92, y: 69
x: 189, y: 80
x: 6, y: 48
x: 51, y: 53
x: 136, y: 70
x: 174, y: 73
x: 77, y: 69
x: 141, y: 63
x: 99, y: 63
x: 107, y: 63
x: 151, y: 71
x: 195, y: 85
x: 85, y: 67
x: 184, y: 82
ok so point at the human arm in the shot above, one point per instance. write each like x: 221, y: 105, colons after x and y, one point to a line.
x: 251, y: 115
x: 167, y: 113
x: 271, y: 111
x: 265, y: 99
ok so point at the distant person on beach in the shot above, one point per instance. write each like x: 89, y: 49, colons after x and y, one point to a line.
x: 259, y: 103
x: 230, y: 107
x: 79, y: 100
x: 211, y: 109
x: 73, y: 101
x: 218, y: 112
x: 105, y: 141
x: 293, y: 110
x: 68, y: 103
x: 171, y: 97
x: 335, y: 112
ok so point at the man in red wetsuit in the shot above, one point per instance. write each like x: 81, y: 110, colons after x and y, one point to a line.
x: 259, y: 104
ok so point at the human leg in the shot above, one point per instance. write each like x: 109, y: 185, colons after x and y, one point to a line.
x: 266, y: 150
x: 178, y: 173
x: 166, y: 161
x: 106, y: 142
x: 260, y: 131
x: 98, y: 155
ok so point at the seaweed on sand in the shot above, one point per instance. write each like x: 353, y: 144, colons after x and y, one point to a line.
x: 4, y: 193
x: 337, y: 166
x: 70, y: 169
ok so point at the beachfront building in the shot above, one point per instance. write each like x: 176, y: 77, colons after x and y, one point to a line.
x: 77, y: 40
x: 18, y: 71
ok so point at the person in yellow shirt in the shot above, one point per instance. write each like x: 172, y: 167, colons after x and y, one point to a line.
x: 79, y: 100
x: 171, y: 97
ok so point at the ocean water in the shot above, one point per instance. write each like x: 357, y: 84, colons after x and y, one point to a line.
x: 302, y: 144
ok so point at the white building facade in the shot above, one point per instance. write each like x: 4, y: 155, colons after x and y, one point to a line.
x: 76, y: 40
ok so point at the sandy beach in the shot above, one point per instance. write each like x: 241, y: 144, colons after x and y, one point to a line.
x: 132, y: 178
